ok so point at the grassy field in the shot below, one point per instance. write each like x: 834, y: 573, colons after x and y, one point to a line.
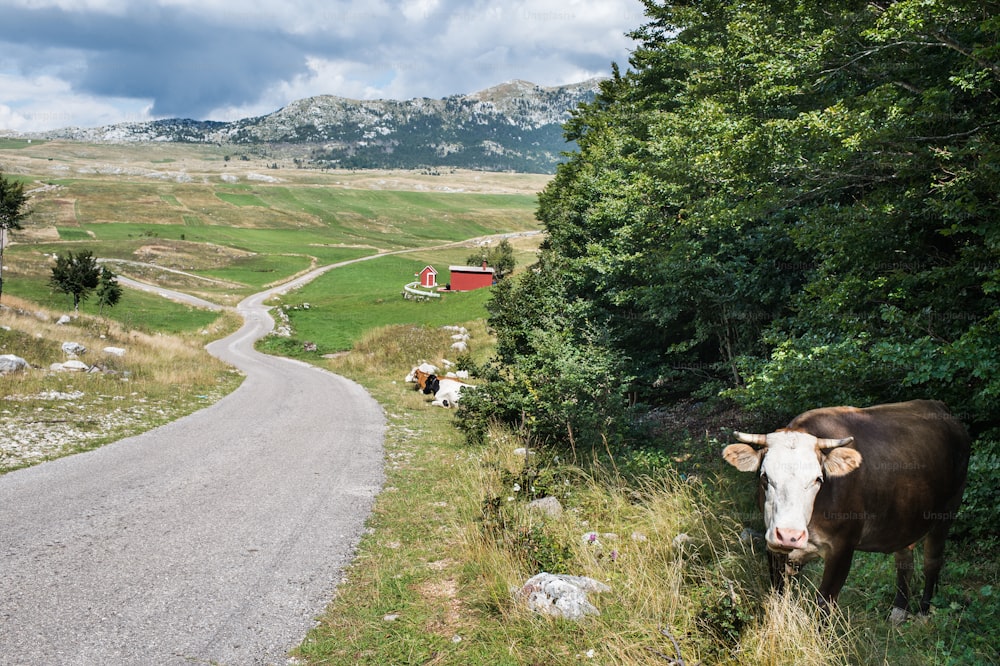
x: 452, y: 538
x: 451, y: 535
x: 367, y: 295
x: 158, y: 378
x: 223, y: 229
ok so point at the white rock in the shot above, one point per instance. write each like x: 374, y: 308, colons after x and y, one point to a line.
x: 75, y: 366
x: 73, y: 348
x: 114, y: 351
x: 898, y: 616
x: 12, y: 363
x: 560, y: 595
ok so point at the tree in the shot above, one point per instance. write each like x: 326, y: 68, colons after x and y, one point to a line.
x: 789, y: 202
x: 12, y: 212
x: 109, y: 292
x: 500, y: 257
x: 76, y: 275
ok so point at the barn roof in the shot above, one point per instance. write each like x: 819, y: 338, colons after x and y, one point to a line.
x: 470, y: 269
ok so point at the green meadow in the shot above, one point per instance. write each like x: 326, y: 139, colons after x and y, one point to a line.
x: 338, y: 308
x: 222, y: 231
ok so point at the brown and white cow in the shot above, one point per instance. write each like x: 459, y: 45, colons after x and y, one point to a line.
x: 840, y: 479
x: 420, y: 374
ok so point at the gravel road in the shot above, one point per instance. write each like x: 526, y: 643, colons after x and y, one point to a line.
x: 216, y: 539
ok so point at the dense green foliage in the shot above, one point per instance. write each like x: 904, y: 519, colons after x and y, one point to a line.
x: 500, y: 257
x: 109, y: 292
x: 788, y: 204
x: 76, y: 275
x: 13, y: 210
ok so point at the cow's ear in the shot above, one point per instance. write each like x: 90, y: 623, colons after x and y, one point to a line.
x: 841, y: 461
x: 743, y: 457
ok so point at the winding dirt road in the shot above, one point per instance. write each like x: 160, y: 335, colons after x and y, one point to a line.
x: 216, y: 539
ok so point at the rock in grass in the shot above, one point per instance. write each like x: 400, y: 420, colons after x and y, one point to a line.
x: 560, y: 595
x: 548, y: 505
x: 12, y: 363
x: 73, y: 349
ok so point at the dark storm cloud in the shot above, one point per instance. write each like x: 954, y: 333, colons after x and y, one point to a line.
x: 184, y: 63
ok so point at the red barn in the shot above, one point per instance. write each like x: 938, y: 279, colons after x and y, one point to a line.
x: 467, y: 278
x: 428, y: 277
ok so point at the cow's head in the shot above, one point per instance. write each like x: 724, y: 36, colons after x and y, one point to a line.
x: 419, y: 374
x: 420, y: 378
x: 431, y: 384
x: 792, y: 468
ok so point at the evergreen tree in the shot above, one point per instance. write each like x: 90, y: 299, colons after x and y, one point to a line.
x: 109, y: 292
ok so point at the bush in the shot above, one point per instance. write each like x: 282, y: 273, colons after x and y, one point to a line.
x: 980, y: 512
x: 569, y: 394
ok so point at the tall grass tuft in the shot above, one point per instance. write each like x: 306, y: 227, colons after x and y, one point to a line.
x: 684, y: 584
x: 792, y: 632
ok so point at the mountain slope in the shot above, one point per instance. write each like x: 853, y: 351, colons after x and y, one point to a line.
x: 513, y: 126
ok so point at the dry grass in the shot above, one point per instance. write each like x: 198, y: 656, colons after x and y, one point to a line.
x: 391, y: 351
x: 195, y: 163
x: 792, y: 633
x: 680, y: 576
x: 48, y: 413
x: 453, y: 538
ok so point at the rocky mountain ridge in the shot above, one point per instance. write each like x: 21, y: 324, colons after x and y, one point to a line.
x: 515, y: 126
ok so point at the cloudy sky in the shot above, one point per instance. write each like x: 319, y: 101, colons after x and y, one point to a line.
x: 94, y: 62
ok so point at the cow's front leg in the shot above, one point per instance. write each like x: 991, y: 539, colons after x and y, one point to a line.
x: 837, y: 566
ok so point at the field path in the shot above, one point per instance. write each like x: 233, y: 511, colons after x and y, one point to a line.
x: 216, y: 539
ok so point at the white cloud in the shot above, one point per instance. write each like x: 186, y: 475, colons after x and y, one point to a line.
x: 325, y: 77
x: 228, y: 59
x: 45, y: 102
x: 419, y: 10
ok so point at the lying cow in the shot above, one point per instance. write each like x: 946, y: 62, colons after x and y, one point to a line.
x: 447, y: 390
x: 841, y: 479
x: 419, y: 375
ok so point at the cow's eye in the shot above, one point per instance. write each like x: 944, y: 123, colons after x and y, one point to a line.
x: 819, y: 480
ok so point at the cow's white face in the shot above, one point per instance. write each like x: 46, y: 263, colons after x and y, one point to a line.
x: 792, y: 466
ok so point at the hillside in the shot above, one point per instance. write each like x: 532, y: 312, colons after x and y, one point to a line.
x: 515, y: 126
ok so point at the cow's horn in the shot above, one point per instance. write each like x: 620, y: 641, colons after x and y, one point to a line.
x: 750, y: 439
x: 833, y: 443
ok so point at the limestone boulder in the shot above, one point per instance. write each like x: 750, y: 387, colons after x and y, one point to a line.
x: 561, y: 595
x: 12, y: 363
